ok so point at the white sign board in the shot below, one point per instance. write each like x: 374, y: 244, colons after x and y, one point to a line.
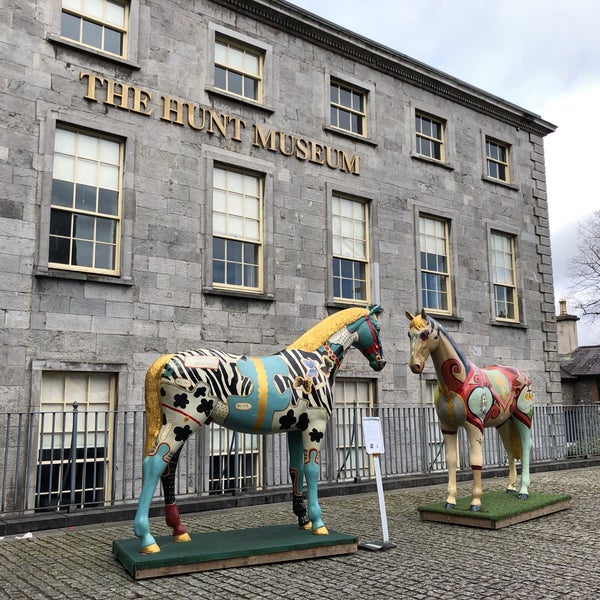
x: 372, y: 435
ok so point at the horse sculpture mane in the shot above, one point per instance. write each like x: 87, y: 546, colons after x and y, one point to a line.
x: 322, y: 331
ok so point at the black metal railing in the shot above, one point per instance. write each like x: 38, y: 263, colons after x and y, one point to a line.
x: 52, y: 461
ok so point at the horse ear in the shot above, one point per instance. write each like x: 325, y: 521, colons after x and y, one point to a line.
x: 375, y: 310
x: 423, y: 314
x: 408, y: 316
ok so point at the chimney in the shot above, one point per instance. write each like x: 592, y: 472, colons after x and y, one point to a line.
x: 566, y: 327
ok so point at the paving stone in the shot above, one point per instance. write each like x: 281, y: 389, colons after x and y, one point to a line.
x: 551, y: 557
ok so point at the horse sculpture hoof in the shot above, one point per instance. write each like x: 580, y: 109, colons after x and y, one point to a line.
x: 182, y: 537
x: 321, y: 531
x: 306, y: 526
x: 475, y: 508
x: 449, y: 506
x: 523, y: 496
x: 151, y: 549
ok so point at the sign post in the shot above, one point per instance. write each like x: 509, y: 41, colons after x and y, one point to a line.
x: 374, y: 447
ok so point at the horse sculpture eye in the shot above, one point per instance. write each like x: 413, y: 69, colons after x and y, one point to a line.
x: 424, y: 335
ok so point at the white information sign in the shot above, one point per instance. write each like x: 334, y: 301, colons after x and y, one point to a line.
x: 372, y: 435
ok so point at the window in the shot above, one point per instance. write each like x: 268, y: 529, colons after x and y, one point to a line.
x: 496, y: 158
x: 74, y: 453
x: 86, y: 202
x: 353, y: 400
x: 350, y: 250
x: 435, y: 273
x: 348, y: 108
x: 235, y: 460
x: 429, y: 137
x: 237, y: 229
x: 100, y: 24
x: 238, y: 69
x: 503, y: 277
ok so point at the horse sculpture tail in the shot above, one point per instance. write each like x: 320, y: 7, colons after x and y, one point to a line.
x: 151, y: 396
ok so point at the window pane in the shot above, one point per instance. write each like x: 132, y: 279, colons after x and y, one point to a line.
x: 115, y: 14
x: 60, y: 223
x: 235, y: 83
x: 62, y: 193
x: 220, y: 78
x: 83, y: 227
x: 109, y: 176
x: 345, y: 97
x: 59, y: 249
x: 234, y: 251
x: 69, y: 27
x: 87, y: 147
x: 105, y: 256
x: 85, y: 198
x: 108, y: 202
x: 64, y: 167
x: 82, y: 253
x: 218, y: 248
x: 105, y: 230
x: 113, y: 41
x: 87, y: 172
x: 235, y: 59
x: 92, y: 34
x: 250, y: 88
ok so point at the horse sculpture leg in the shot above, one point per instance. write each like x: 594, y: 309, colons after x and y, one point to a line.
x: 526, y: 443
x: 153, y: 466
x: 451, y: 446
x: 506, y: 435
x: 294, y: 439
x: 311, y: 441
x: 172, y: 517
x: 476, y: 458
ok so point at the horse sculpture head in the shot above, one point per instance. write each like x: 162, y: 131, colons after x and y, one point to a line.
x: 367, y: 338
x: 424, y: 339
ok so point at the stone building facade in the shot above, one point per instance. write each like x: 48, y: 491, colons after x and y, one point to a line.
x: 225, y: 174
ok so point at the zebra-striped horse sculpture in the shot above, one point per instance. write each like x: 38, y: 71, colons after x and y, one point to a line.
x: 289, y: 392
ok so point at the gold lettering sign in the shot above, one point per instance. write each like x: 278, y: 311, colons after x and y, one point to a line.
x: 172, y: 110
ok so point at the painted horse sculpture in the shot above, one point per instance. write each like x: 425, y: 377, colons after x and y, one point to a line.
x: 474, y: 398
x: 288, y: 392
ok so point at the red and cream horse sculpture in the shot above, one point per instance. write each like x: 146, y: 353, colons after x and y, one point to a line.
x: 474, y: 398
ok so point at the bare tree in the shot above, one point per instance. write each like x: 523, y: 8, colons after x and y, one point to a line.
x: 585, y: 267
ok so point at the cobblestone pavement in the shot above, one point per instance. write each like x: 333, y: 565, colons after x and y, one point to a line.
x: 556, y: 556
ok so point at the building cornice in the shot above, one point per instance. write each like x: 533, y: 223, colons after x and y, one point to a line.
x: 290, y: 18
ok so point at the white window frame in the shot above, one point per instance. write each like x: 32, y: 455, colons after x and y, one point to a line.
x: 350, y: 109
x: 423, y: 239
x: 353, y: 398
x: 228, y: 215
x: 346, y: 239
x: 503, y: 261
x: 82, y: 164
x: 240, y: 40
x: 130, y: 53
x: 494, y: 164
x: 56, y: 435
x: 422, y: 137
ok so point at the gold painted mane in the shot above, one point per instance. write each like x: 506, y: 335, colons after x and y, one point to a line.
x: 418, y: 322
x: 322, y: 331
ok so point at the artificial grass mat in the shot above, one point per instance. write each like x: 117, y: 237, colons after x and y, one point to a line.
x: 497, y: 505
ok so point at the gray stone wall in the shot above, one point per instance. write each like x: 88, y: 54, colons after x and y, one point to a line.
x: 162, y: 301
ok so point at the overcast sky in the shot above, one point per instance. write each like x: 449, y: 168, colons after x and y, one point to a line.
x: 542, y: 55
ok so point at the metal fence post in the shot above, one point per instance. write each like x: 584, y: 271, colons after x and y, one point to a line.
x: 73, y: 456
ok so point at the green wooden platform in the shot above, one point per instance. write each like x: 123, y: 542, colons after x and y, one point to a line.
x: 498, y: 510
x: 225, y: 549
